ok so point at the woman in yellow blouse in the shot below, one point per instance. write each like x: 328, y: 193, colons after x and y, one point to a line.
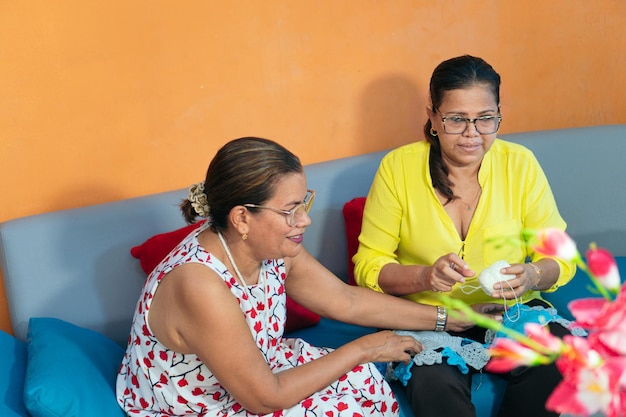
x: 435, y: 217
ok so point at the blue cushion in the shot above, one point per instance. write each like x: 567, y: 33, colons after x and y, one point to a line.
x: 71, y: 371
x: 12, y: 371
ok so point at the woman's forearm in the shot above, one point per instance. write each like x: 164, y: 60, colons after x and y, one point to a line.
x: 396, y: 279
x: 372, y: 309
x: 547, y: 272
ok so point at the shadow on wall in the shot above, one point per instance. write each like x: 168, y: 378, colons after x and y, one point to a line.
x: 389, y: 116
x: 392, y: 112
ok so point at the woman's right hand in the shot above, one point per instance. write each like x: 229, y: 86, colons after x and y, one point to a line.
x: 491, y: 310
x: 387, y: 346
x: 447, y: 271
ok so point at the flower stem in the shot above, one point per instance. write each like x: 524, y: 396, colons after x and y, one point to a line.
x: 601, y: 289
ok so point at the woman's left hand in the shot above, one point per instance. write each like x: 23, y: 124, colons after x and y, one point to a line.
x: 525, y: 280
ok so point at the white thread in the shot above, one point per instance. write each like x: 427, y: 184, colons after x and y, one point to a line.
x: 512, y: 319
x: 488, y: 277
x: 471, y: 288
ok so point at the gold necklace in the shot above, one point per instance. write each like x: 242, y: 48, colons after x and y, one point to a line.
x: 473, y: 200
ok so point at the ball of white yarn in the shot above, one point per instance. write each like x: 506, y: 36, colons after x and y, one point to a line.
x: 492, y: 274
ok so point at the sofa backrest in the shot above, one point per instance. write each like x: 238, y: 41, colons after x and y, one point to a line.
x: 336, y: 183
x: 75, y: 264
x: 586, y: 170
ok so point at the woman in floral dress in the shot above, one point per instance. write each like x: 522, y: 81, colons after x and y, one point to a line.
x: 207, y: 336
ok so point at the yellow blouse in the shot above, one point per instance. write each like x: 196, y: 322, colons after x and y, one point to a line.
x: 404, y: 222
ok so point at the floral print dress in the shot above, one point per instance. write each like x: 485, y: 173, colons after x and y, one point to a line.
x: 156, y: 381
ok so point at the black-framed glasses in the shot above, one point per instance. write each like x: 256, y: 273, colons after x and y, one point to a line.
x: 485, y: 125
x: 294, y: 215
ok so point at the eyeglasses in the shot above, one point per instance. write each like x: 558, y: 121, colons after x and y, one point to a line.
x: 294, y: 215
x: 485, y: 125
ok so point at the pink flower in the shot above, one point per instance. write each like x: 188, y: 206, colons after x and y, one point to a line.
x: 538, y: 348
x: 586, y: 311
x: 585, y: 395
x: 606, y: 322
x: 557, y: 243
x: 541, y: 335
x: 508, y: 354
x: 593, y: 367
x: 590, y: 383
x: 577, y: 353
x: 603, y: 266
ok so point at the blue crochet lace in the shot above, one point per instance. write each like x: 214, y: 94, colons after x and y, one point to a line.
x: 464, y: 353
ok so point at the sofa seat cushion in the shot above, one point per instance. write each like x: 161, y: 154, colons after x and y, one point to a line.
x: 12, y: 373
x: 71, y: 371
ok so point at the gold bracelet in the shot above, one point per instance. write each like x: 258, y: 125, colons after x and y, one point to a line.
x: 538, y: 271
x: 442, y: 318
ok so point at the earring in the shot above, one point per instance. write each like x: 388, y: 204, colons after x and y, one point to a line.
x: 433, y: 132
x: 244, y: 236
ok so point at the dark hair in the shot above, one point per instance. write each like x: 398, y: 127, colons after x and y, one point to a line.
x: 243, y: 171
x: 455, y: 73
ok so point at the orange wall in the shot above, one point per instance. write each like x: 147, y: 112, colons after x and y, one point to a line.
x: 113, y: 99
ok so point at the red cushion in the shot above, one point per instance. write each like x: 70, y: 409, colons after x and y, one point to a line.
x: 353, y: 217
x: 152, y: 251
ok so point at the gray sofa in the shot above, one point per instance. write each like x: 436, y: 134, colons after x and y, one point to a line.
x: 74, y: 265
